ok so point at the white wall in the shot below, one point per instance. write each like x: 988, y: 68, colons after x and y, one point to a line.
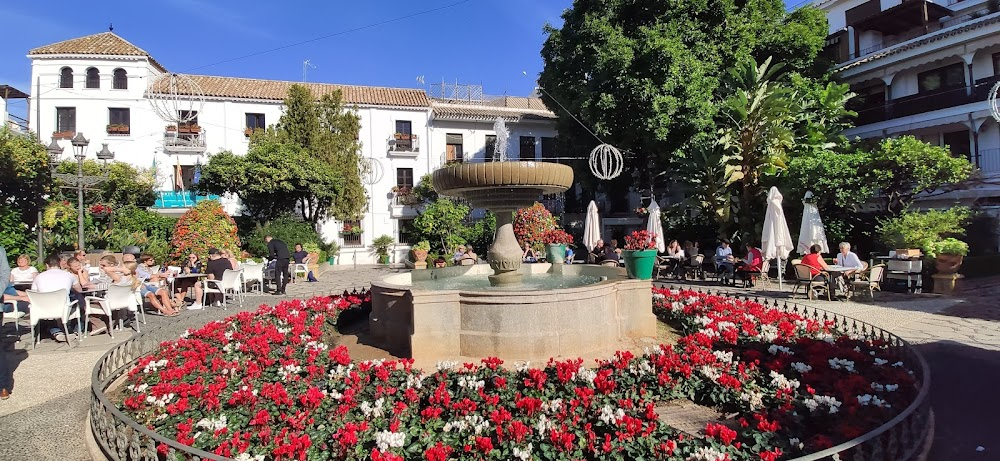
x: 474, y: 137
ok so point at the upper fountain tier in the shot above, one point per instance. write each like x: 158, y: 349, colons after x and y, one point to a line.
x: 501, y: 186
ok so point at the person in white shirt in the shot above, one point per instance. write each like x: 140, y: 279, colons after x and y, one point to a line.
x: 24, y: 273
x: 724, y: 261
x: 53, y: 279
x: 675, y: 256
x: 849, y: 259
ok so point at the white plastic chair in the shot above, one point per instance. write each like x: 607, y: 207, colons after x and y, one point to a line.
x: 231, y: 283
x: 118, y: 297
x: 300, y: 268
x: 52, y: 305
x: 254, y: 272
x: 16, y: 315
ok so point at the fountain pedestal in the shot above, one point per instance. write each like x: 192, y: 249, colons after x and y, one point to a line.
x: 505, y: 254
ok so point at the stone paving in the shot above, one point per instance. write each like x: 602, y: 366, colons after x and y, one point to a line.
x: 956, y: 335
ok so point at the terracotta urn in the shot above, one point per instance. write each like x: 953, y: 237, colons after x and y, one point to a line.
x: 420, y: 255
x: 948, y: 264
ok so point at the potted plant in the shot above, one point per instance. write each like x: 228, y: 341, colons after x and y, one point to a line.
x: 555, y: 245
x: 333, y: 252
x: 381, y: 246
x: 100, y: 210
x: 641, y: 212
x: 948, y: 254
x: 640, y: 254
x: 420, y: 251
x: 350, y: 229
x: 247, y: 132
x: 65, y: 134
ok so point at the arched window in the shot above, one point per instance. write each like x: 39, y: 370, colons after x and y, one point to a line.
x: 66, y: 78
x: 93, y: 78
x: 120, y: 81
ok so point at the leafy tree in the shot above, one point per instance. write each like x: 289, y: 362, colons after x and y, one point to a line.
x: 132, y: 218
x: 708, y: 179
x: 15, y: 236
x: 645, y: 75
x: 480, y: 234
x: 921, y: 229
x: 205, y: 226
x: 906, y: 166
x: 288, y: 228
x: 442, y: 223
x: 823, y: 114
x: 125, y: 184
x: 531, y: 224
x: 24, y: 175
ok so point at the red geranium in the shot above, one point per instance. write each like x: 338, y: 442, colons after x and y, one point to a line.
x: 640, y: 240
x: 557, y: 237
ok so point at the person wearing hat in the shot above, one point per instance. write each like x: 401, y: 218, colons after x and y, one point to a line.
x: 216, y: 267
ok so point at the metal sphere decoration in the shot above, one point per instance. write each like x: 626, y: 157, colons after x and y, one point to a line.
x: 176, y: 98
x: 993, y: 102
x: 606, y: 162
x: 371, y: 170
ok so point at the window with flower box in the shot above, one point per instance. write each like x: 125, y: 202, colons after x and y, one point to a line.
x: 119, y: 121
x: 66, y: 120
x: 351, y: 233
x: 254, y: 122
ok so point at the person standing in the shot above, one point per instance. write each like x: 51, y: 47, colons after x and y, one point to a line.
x: 278, y: 251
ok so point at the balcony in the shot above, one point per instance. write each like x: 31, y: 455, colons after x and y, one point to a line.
x: 403, y: 206
x: 184, y: 139
x: 404, y: 144
x: 925, y: 102
x: 184, y: 199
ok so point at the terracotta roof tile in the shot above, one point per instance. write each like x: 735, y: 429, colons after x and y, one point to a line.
x: 105, y: 43
x: 511, y: 108
x: 277, y: 90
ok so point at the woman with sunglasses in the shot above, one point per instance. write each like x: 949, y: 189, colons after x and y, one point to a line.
x: 182, y: 285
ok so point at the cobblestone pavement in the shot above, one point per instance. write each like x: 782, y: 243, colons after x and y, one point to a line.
x: 959, y: 336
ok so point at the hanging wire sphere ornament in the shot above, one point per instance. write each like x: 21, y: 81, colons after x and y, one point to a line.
x: 371, y: 170
x: 176, y: 98
x: 606, y: 162
x: 994, y: 108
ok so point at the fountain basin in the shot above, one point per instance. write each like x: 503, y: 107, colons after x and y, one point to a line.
x: 513, y: 324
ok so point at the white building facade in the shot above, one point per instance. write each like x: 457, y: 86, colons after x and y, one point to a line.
x: 98, y: 85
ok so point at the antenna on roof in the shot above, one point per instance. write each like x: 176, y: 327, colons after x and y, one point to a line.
x: 420, y: 79
x: 305, y: 69
x: 111, y: 27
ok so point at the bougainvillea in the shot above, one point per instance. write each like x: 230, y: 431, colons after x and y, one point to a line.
x: 270, y: 385
x: 531, y: 224
x: 205, y: 226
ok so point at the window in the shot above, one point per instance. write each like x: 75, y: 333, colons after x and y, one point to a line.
x: 491, y: 147
x: 120, y: 80
x: 527, y: 148
x: 66, y: 78
x: 93, y: 78
x: 407, y: 233
x: 118, y: 121
x: 453, y: 148
x: 404, y: 135
x: 190, y: 115
x: 404, y: 178
x: 942, y: 78
x: 255, y: 121
x: 404, y: 127
x: 188, y: 129
x: 959, y: 143
x: 548, y: 147
x: 351, y: 233
x: 65, y: 119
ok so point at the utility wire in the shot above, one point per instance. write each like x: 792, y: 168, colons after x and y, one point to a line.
x: 343, y: 32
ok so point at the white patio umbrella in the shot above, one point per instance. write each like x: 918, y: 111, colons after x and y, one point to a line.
x: 812, y: 232
x: 592, y: 227
x: 776, y: 241
x: 655, y: 226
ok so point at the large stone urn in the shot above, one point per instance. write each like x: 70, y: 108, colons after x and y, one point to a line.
x: 503, y: 187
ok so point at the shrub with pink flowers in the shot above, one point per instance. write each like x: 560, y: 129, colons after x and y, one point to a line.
x: 531, y: 224
x: 204, y: 226
x: 270, y: 385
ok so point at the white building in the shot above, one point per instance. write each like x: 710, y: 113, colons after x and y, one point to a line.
x: 97, y: 85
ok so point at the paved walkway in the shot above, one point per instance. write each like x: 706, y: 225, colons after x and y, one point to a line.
x: 956, y: 335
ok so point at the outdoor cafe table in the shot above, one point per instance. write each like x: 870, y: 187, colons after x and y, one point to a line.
x: 173, y: 280
x: 835, y: 272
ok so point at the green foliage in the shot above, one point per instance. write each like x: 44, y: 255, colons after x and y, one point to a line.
x: 823, y: 114
x: 125, y: 184
x: 422, y: 245
x: 15, y: 236
x: 921, y: 229
x: 837, y: 180
x: 24, y: 174
x: 424, y: 190
x: 948, y: 246
x: 205, y: 226
x: 442, y: 223
x: 480, y: 235
x: 156, y: 225
x: 382, y: 243
x: 531, y: 224
x: 645, y: 75
x: 906, y: 166
x: 286, y: 228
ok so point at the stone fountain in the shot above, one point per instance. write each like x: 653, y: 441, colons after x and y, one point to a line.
x: 567, y: 311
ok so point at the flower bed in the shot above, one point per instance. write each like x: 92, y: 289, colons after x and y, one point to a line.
x: 268, y: 385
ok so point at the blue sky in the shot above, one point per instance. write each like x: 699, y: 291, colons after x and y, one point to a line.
x: 489, y: 42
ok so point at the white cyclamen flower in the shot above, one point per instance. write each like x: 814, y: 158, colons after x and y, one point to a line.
x: 816, y: 402
x: 782, y: 382
x: 523, y: 454
x: 774, y: 349
x: 387, y: 439
x: 801, y: 367
x: 706, y: 454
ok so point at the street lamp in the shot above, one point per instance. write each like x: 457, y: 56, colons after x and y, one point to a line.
x: 78, y: 181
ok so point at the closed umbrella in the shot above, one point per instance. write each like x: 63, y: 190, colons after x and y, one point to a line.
x: 592, y: 227
x: 776, y: 241
x: 812, y: 232
x: 655, y: 226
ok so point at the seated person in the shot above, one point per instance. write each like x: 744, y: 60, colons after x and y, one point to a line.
x: 847, y: 258
x: 55, y: 278
x: 440, y: 262
x: 609, y: 252
x: 674, y: 257
x: 468, y: 258
x: 751, y: 264
x: 157, y: 297
x: 724, y: 261
x: 569, y: 255
x: 228, y: 256
x: 81, y: 256
x: 455, y: 258
x: 814, y: 260
x: 299, y: 255
x: 529, y: 255
x: 22, y: 275
x: 596, y: 253
x: 216, y: 268
x: 182, y: 285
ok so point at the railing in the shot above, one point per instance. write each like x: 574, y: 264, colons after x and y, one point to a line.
x: 926, y: 102
x: 402, y: 142
x: 352, y: 240
x: 184, y: 139
x: 931, y: 28
x: 123, y: 439
x: 405, y: 199
x: 185, y: 199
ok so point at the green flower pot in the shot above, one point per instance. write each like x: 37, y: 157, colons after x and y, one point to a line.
x: 639, y: 264
x: 555, y: 253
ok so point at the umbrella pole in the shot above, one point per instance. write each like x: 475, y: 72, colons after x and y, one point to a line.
x: 780, y: 275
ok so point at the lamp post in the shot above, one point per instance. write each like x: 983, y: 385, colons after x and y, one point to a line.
x: 79, y: 181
